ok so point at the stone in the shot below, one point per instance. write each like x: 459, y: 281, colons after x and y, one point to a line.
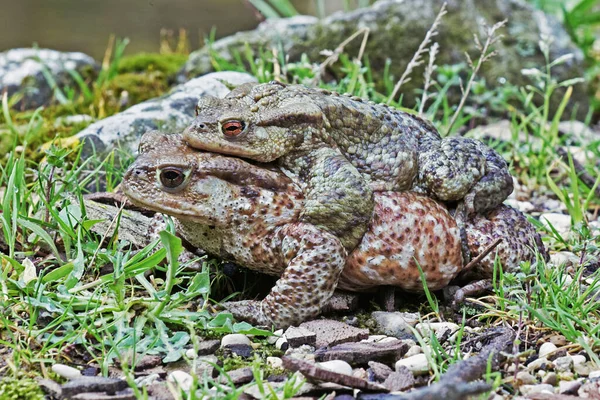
x: 297, y: 336
x: 205, y: 365
x: 361, y: 353
x: 583, y: 369
x: 565, y: 258
x: 331, y: 333
x: 240, y: 350
x: 417, y: 364
x: 413, y: 350
x: 400, y: 380
x: 589, y: 390
x: 389, y: 20
x: 127, y: 394
x: 181, y: 378
x: 341, y: 302
x: 21, y: 70
x: 525, y: 378
x: 65, y: 371
x: 207, y: 347
x: 238, y: 376
x: 282, y: 344
x: 539, y: 363
x: 88, y: 384
x: 578, y: 359
x: 560, y: 222
x: 234, y: 339
x: 578, y: 131
x: 594, y: 374
x: 339, y: 366
x: 274, y: 362
x: 550, y: 378
x: 70, y: 120
x: 440, y: 329
x: 539, y: 388
x: 546, y: 349
x: 563, y: 364
x: 378, y: 371
x: 172, y: 112
x: 568, y: 387
x: 397, y: 324
x: 374, y: 338
x: 276, y: 335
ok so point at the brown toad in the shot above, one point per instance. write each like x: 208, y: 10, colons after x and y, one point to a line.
x: 252, y: 215
x: 341, y: 149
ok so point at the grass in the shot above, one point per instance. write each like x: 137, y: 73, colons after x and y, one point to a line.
x: 70, y: 294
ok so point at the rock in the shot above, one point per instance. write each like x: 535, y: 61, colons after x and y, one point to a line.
x: 441, y: 330
x: 73, y: 120
x: 413, y: 350
x: 378, y: 371
x: 234, y: 339
x: 276, y: 335
x: 297, y: 336
x: 417, y: 364
x: 396, y: 29
x: 274, y: 362
x: 304, y: 352
x: 560, y: 222
x: 50, y: 387
x: 530, y: 389
x: 282, y: 344
x: 578, y: 131
x: 578, y: 359
x: 362, y: 353
x: 172, y: 112
x: 341, y: 303
x: 205, y: 365
x: 339, y: 366
x: 546, y: 349
x: 238, y: 376
x: 21, y: 70
x: 568, y: 387
x: 583, y: 369
x: 181, y: 378
x: 563, y: 364
x: 589, y: 390
x: 397, y: 324
x: 525, y: 378
x: 65, y: 371
x: 374, y: 338
x: 331, y: 333
x: 538, y: 363
x: 550, y: 378
x: 240, y: 350
x: 400, y: 380
x: 127, y: 394
x: 207, y: 347
x: 523, y: 206
x: 594, y: 374
x: 565, y: 258
x: 147, y: 380
x: 90, y: 384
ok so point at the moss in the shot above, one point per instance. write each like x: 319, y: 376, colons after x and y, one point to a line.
x: 139, y: 87
x: 168, y: 64
x: 20, y: 389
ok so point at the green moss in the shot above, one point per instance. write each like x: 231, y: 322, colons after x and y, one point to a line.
x: 139, y: 87
x: 20, y: 389
x: 168, y: 64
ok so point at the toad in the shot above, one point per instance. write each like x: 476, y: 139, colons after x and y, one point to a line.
x: 252, y: 215
x: 340, y: 149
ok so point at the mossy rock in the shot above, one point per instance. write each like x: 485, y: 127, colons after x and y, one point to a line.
x: 168, y: 64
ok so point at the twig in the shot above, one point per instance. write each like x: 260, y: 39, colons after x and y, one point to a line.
x: 483, y: 57
x: 482, y: 255
x: 433, y: 50
x: 334, y: 55
x: 416, y: 60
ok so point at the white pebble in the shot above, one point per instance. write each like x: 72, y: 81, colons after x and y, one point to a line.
x: 233, y: 339
x: 191, y: 354
x: 417, y: 364
x: 578, y: 359
x: 568, y: 387
x: 439, y: 328
x: 275, y: 362
x: 276, y: 335
x: 183, y: 379
x: 339, y: 366
x: 594, y: 374
x: 540, y: 388
x: 546, y: 349
x: 413, y: 351
x: 65, y: 371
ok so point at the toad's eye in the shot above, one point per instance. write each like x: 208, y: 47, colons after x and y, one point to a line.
x: 233, y: 128
x: 172, y: 177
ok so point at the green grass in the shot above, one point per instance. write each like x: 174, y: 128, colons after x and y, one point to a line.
x: 63, y: 284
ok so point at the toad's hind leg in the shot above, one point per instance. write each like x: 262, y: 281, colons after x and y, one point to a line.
x: 315, y: 260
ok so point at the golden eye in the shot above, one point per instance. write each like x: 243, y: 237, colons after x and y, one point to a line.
x: 233, y: 128
x: 172, y: 177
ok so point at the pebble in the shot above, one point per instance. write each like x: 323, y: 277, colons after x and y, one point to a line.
x: 546, y: 349
x: 413, y: 351
x: 568, y: 387
x: 275, y: 362
x: 560, y: 222
x: 191, y: 354
x: 276, y: 335
x: 563, y: 364
x: 583, y: 369
x: 439, y: 328
x: 65, y: 371
x: 339, y: 366
x: 233, y: 339
x: 578, y: 359
x: 147, y: 380
x: 539, y: 388
x: 563, y: 258
x: 525, y: 378
x: 594, y: 374
x: 374, y: 338
x: 282, y: 344
x: 538, y: 363
x: 396, y: 324
x: 550, y: 378
x: 417, y: 364
x: 183, y: 379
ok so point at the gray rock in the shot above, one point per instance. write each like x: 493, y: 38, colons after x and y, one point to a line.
x: 362, y: 353
x: 90, y: 384
x: 396, y: 29
x: 330, y: 332
x: 172, y: 112
x: 21, y: 71
x: 207, y: 347
x: 395, y: 324
x: 542, y: 387
x: 568, y: 387
x: 400, y: 380
x: 341, y: 302
x: 378, y: 371
x: 417, y: 364
x: 563, y: 364
x: 560, y: 222
x: 297, y: 336
x: 525, y: 378
x: 239, y: 376
x: 181, y: 378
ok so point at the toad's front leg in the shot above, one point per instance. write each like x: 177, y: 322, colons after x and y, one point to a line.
x: 337, y: 197
x: 314, y: 260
